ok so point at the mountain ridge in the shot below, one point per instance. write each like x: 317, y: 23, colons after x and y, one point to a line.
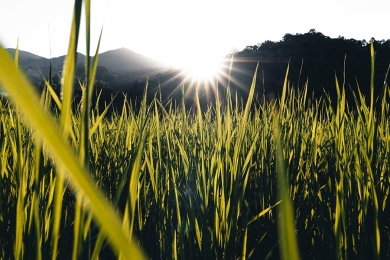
x: 126, y: 64
x: 23, y: 54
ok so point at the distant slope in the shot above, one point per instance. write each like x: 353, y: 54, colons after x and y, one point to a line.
x: 119, y: 60
x: 27, y: 59
x: 24, y: 55
x: 122, y: 60
x: 126, y: 64
x: 59, y: 61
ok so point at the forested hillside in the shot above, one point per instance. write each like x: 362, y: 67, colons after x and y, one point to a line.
x: 314, y: 59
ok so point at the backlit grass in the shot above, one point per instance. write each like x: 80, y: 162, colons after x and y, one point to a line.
x: 290, y: 178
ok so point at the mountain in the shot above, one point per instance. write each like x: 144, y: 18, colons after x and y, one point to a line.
x: 125, y: 64
x: 126, y: 61
x: 24, y: 55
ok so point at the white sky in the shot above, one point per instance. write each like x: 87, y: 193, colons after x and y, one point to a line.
x: 178, y: 31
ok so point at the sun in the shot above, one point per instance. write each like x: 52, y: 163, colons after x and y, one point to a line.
x: 201, y: 69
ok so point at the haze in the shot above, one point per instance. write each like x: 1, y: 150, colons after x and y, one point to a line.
x: 177, y: 32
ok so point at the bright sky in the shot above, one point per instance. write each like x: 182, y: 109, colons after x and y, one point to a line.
x: 176, y: 32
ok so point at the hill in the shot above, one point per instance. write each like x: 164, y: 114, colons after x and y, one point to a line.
x: 124, y: 61
x: 24, y: 55
x: 313, y: 58
x: 126, y: 65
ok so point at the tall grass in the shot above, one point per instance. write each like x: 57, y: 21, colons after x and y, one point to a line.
x: 66, y: 162
x: 261, y: 180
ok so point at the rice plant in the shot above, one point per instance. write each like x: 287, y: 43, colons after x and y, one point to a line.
x: 287, y: 178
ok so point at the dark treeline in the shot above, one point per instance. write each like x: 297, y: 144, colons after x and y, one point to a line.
x: 314, y: 59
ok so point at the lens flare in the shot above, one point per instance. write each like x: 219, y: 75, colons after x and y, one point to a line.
x: 201, y: 69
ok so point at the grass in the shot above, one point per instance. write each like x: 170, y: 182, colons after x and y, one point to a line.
x: 260, y: 180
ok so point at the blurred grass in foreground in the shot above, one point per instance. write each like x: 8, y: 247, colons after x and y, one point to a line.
x: 228, y: 182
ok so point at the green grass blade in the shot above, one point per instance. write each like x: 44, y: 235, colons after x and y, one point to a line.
x: 23, y: 94
x: 16, y: 57
x: 53, y: 94
x: 38, y: 171
x: 20, y: 217
x: 68, y: 71
x: 99, y: 120
x: 58, y: 195
x: 263, y: 212
x: 286, y: 226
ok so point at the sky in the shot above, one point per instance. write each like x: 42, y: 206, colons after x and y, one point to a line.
x: 187, y: 31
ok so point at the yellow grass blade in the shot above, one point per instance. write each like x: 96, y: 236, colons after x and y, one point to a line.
x: 23, y: 94
x: 286, y: 225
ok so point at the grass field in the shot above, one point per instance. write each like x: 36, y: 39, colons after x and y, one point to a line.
x: 289, y: 178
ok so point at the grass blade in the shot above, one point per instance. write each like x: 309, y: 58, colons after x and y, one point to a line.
x: 23, y: 94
